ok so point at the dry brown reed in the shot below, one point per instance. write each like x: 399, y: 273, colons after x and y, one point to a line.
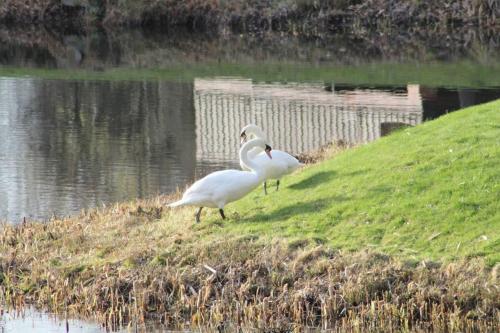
x: 324, y: 152
x: 256, y: 15
x: 133, y: 262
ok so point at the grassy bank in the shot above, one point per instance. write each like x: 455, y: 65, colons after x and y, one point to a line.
x: 427, y: 192
x: 400, y: 233
x: 459, y: 74
x: 308, y: 16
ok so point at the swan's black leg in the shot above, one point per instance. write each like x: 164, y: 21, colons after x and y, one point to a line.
x: 277, y: 184
x: 265, y: 188
x: 197, y: 215
x: 221, y: 211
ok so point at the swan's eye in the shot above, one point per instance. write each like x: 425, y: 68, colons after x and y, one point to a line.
x: 268, y: 148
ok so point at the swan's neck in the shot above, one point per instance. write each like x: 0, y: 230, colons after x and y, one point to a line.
x: 249, y: 163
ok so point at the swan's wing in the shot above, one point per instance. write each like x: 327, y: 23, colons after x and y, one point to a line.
x: 286, y: 158
x: 208, y: 190
x: 274, y: 168
x: 291, y: 162
x: 225, y: 186
x: 207, y: 184
x: 281, y: 163
x: 227, y: 180
x: 221, y: 182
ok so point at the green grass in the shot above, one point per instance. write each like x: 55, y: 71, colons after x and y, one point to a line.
x: 298, y: 257
x: 429, y: 192
x: 457, y: 74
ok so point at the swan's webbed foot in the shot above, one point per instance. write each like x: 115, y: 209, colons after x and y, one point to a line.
x: 197, y: 215
x: 221, y: 211
x: 265, y: 188
x: 277, y: 184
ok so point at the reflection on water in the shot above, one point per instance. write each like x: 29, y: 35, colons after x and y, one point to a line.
x: 98, y: 49
x: 297, y: 117
x: 68, y: 145
x: 303, y: 117
x: 30, y: 320
x: 34, y: 321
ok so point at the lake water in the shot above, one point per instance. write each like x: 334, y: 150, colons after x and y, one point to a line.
x: 106, y: 117
x: 31, y: 320
x: 67, y: 145
x: 34, y: 321
x: 90, y: 120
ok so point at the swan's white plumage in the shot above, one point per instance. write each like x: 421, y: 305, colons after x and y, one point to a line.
x: 221, y: 187
x: 280, y: 165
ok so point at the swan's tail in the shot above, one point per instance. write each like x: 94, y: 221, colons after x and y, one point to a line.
x: 177, y: 203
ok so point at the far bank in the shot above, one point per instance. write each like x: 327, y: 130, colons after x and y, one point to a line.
x: 298, y: 16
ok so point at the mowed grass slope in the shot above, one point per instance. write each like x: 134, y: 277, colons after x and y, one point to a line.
x: 428, y: 192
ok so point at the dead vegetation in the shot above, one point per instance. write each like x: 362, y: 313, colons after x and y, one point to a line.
x: 42, y: 12
x: 255, y: 15
x: 130, y: 263
x: 323, y: 152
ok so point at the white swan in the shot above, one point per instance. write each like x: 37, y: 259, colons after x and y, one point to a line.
x: 222, y: 187
x: 281, y: 164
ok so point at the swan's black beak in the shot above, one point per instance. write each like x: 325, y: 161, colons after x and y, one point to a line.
x: 243, y: 137
x: 268, y: 151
